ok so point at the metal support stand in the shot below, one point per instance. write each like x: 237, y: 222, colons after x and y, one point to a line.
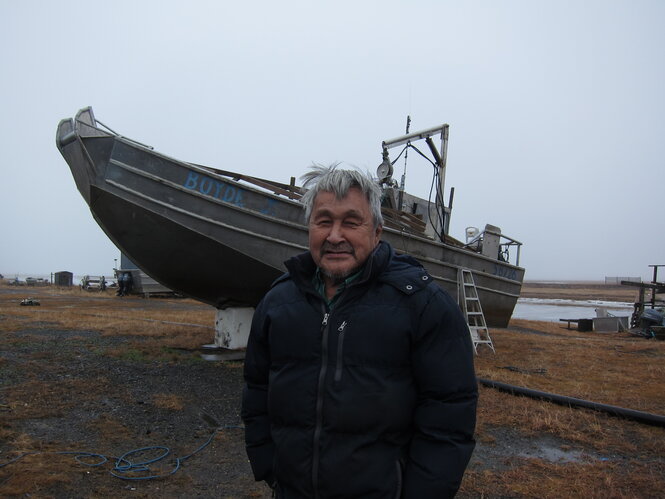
x: 232, y: 327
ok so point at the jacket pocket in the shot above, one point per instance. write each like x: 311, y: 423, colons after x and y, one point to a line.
x: 340, y: 351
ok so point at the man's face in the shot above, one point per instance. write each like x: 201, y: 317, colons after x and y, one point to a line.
x: 341, y: 233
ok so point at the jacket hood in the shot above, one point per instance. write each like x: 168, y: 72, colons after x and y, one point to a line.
x: 405, y: 273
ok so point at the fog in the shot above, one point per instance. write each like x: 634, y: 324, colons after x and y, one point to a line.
x: 556, y: 112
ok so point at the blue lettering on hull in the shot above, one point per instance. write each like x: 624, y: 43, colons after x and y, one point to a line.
x: 505, y: 272
x: 214, y: 188
x: 270, y: 208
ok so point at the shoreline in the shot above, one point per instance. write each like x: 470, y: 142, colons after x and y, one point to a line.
x: 577, y: 290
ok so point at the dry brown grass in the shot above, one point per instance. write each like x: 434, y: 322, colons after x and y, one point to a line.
x: 579, y: 291
x: 535, y: 478
x: 55, y: 392
x: 157, y: 329
x: 110, y: 428
x: 42, y: 472
x: 40, y: 399
x: 617, y: 458
x: 616, y: 369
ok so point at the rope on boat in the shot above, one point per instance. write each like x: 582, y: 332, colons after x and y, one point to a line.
x: 434, y: 187
x: 438, y: 195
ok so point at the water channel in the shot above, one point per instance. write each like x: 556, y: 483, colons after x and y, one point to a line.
x: 551, y: 310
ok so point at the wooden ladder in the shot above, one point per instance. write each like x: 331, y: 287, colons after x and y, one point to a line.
x: 473, y: 312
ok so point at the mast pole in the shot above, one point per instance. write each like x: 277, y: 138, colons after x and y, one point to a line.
x: 440, y: 158
x: 443, y: 158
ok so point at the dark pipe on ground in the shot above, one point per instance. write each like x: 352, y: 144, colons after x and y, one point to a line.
x: 642, y: 417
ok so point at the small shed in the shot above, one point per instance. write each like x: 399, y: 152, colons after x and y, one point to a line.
x: 63, y: 278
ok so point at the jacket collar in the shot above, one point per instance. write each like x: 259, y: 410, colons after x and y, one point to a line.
x: 301, y: 268
x: 403, y: 272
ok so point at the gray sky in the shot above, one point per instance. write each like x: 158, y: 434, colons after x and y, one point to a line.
x: 556, y: 111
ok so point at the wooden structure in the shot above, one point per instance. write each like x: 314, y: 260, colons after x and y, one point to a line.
x: 63, y: 278
x: 648, y: 295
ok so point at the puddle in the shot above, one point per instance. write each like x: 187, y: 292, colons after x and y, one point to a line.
x: 553, y: 454
x: 508, y: 443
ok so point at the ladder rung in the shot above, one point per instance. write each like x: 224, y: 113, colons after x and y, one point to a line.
x: 475, y: 319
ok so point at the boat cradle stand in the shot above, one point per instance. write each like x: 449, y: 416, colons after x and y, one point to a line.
x: 232, y: 327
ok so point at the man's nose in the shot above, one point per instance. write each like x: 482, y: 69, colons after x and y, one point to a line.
x: 336, y: 234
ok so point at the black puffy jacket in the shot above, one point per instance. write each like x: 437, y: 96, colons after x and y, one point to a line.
x: 375, y: 399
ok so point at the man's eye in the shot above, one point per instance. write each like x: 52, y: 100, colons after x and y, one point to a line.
x: 351, y: 223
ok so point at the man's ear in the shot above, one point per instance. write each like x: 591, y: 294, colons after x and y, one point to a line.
x: 377, y: 236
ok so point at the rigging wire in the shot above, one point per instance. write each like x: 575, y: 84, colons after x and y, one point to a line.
x: 435, y: 188
x: 400, y: 154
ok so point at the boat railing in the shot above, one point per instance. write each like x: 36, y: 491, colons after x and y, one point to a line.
x: 113, y: 132
x: 291, y: 191
x: 87, y: 125
x: 506, y: 246
x: 491, y: 242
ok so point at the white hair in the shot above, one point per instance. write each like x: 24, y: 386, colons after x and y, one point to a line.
x: 338, y: 181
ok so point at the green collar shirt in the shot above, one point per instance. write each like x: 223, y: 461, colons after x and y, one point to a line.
x: 320, y: 286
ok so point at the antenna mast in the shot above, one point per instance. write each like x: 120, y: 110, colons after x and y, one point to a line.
x: 402, y: 184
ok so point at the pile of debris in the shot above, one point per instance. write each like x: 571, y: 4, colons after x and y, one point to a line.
x: 30, y: 302
x: 648, y: 319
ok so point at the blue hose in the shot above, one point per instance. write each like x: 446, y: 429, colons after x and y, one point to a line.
x: 124, y: 467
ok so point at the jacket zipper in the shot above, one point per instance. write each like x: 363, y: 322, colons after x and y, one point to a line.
x: 340, y: 352
x: 319, y: 402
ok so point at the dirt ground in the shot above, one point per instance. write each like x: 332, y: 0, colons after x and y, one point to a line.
x: 71, y: 389
x: 92, y: 373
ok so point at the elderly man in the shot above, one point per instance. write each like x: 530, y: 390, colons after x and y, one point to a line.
x: 359, y: 368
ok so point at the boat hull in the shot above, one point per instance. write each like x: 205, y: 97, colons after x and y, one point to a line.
x: 213, y: 238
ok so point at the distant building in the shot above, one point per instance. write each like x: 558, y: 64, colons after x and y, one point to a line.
x: 617, y: 280
x: 36, y: 281
x: 63, y: 278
